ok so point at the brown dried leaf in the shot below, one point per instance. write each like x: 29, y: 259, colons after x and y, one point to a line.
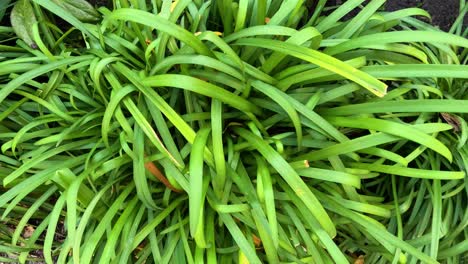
x: 257, y: 241
x: 359, y: 260
x: 452, y: 120
x: 28, y: 231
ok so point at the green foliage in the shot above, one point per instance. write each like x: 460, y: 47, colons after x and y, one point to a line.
x: 23, y: 20
x: 232, y: 132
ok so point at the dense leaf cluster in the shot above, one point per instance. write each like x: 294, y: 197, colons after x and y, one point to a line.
x: 231, y: 132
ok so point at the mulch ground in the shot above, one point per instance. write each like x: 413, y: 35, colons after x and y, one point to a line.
x: 443, y: 12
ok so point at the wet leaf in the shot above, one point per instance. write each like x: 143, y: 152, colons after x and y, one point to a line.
x: 80, y: 9
x: 22, y: 19
x: 359, y: 260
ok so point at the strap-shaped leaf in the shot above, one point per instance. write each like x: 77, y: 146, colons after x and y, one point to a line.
x: 291, y: 177
x: 393, y: 128
x: 320, y: 59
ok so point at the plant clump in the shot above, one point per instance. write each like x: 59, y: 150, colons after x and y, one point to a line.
x: 231, y: 132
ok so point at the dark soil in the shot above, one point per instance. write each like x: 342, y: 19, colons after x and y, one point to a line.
x: 443, y: 12
x: 101, y: 2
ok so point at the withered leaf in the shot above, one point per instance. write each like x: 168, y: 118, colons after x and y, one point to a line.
x: 359, y: 260
x: 452, y: 120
